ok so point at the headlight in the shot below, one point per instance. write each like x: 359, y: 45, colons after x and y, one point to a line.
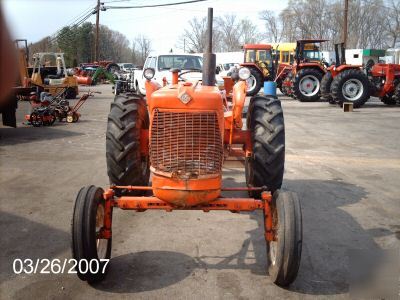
x: 244, y: 73
x: 148, y: 73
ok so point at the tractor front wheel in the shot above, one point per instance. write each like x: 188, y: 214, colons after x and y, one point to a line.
x: 126, y: 165
x: 255, y: 82
x: 266, y: 165
x: 306, y: 85
x: 284, y: 252
x: 90, y: 252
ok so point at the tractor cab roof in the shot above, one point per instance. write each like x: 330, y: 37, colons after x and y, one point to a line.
x: 257, y: 46
x: 308, y: 41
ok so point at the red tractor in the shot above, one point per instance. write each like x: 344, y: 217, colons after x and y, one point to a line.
x: 258, y: 58
x: 302, y: 80
x: 356, y: 84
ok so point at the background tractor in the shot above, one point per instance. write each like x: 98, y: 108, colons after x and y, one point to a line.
x: 182, y: 137
x: 356, y: 84
x: 302, y: 79
x: 258, y: 59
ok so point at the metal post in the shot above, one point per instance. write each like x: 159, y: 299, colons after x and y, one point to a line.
x: 96, y: 40
x: 209, y: 58
x: 346, y: 10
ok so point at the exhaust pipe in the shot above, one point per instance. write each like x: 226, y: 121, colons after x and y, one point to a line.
x: 209, y: 58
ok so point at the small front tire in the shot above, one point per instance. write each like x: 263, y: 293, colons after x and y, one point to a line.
x: 255, y: 82
x: 306, y: 85
x: 87, y: 221
x: 284, y: 254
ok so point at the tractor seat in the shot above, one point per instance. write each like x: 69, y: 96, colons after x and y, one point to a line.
x: 54, y: 76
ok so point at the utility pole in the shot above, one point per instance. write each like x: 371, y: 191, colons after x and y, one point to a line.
x: 96, y: 40
x: 346, y: 10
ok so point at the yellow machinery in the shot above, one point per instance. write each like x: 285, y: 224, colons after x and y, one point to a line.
x: 50, y: 74
x: 284, y: 52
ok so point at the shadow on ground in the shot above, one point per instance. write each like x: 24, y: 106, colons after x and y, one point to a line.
x: 20, y: 135
x: 23, y: 238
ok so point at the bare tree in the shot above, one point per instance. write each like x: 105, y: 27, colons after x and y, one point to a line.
x: 393, y: 23
x: 248, y: 32
x: 142, y: 48
x: 273, y: 31
x: 371, y: 23
x: 193, y: 38
x: 229, y: 29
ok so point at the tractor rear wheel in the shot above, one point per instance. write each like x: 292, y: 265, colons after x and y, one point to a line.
x: 111, y: 68
x: 326, y: 82
x: 396, y: 95
x: 266, y: 165
x: 125, y: 163
x: 350, y: 86
x: 284, y: 253
x: 255, y: 82
x: 306, y: 85
x: 89, y: 251
x: 388, y: 100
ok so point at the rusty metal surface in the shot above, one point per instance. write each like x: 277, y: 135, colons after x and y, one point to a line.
x: 186, y: 144
x: 231, y: 204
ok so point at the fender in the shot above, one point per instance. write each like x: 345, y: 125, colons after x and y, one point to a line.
x: 238, y: 99
x: 151, y: 86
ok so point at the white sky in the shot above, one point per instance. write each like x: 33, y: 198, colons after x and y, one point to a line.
x: 35, y: 19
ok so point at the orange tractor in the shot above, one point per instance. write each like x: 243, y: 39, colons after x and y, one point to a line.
x: 356, y: 84
x: 258, y: 59
x: 302, y: 80
x: 183, y: 138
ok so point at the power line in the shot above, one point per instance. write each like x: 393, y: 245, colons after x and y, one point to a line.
x: 153, y: 5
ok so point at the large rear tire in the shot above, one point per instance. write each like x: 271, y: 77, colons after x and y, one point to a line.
x: 306, y: 85
x: 284, y: 254
x: 350, y: 86
x: 87, y: 222
x: 326, y: 82
x: 266, y: 165
x: 388, y: 100
x: 125, y: 163
x: 255, y: 82
x: 396, y: 94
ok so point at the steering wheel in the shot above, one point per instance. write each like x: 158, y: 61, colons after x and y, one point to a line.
x: 189, y: 71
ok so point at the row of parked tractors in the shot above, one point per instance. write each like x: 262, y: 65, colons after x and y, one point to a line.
x: 309, y: 77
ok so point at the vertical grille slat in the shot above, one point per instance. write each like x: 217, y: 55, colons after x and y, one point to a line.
x: 186, y: 144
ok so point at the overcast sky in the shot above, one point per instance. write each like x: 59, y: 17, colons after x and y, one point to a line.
x: 35, y: 19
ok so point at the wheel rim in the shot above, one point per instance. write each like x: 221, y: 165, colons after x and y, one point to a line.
x: 273, y: 245
x: 251, y: 83
x: 352, y: 89
x: 309, y: 85
x: 101, y: 244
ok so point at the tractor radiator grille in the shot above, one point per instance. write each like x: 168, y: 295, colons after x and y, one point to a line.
x: 186, y: 144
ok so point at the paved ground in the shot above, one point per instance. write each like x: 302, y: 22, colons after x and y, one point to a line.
x: 344, y: 167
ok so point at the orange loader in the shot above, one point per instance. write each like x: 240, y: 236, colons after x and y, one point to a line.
x: 182, y: 139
